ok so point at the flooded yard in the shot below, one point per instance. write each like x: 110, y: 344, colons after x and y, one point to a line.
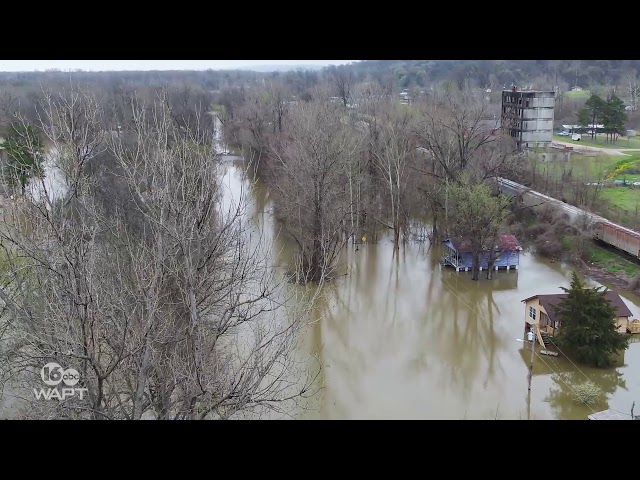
x: 400, y: 336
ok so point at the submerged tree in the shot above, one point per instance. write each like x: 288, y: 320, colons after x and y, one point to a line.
x: 456, y: 140
x: 163, y: 302
x: 476, y: 218
x: 588, y: 328
x: 573, y: 396
x: 311, y: 186
x: 392, y: 155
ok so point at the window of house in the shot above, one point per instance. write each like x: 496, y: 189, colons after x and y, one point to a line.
x: 532, y: 313
x: 557, y: 324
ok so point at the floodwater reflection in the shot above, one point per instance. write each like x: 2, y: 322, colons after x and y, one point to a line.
x: 401, y: 337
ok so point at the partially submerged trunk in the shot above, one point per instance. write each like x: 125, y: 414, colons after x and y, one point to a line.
x: 491, y: 260
x: 475, y: 265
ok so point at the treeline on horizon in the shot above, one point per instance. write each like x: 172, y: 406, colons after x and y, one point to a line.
x: 200, y: 90
x: 501, y: 73
x: 404, y: 73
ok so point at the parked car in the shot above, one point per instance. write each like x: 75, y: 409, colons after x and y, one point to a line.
x: 636, y: 184
x: 564, y: 134
x: 576, y: 137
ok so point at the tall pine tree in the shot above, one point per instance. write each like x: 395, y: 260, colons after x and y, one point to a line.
x: 614, y: 117
x: 588, y: 327
x: 591, y: 113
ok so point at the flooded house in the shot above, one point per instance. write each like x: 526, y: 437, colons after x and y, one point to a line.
x: 539, y: 313
x: 506, y: 254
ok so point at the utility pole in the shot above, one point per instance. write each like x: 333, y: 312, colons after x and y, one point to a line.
x: 446, y: 204
x: 532, y: 338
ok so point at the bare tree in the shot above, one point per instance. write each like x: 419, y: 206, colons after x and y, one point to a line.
x: 254, y: 116
x: 343, y: 81
x: 72, y: 122
x: 278, y: 99
x: 373, y: 101
x: 456, y: 131
x: 308, y: 176
x: 172, y: 313
x: 393, y: 153
x: 633, y: 88
x: 458, y: 139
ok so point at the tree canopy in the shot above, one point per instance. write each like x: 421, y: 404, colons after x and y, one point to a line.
x: 477, y: 217
x: 588, y: 329
x: 609, y: 113
x: 24, y: 151
x: 614, y: 117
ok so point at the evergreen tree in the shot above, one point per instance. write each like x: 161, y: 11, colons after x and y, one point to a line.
x: 25, y: 154
x: 592, y: 112
x: 588, y: 327
x: 614, y: 117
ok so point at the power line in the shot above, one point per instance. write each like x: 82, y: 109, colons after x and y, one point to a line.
x: 585, y: 375
x: 559, y: 375
x: 455, y: 293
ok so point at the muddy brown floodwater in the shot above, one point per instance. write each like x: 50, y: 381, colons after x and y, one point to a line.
x: 401, y: 337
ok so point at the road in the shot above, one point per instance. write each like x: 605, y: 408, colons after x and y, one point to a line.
x: 606, y: 151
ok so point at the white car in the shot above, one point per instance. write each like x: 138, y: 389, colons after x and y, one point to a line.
x: 576, y: 137
x: 564, y: 134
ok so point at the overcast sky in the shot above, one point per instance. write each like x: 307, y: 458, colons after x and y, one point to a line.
x: 102, y: 65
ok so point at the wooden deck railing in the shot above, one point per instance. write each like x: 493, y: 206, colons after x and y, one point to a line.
x: 452, y: 260
x: 634, y: 326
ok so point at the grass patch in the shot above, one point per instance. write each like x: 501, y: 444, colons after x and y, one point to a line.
x: 586, y: 168
x: 612, y: 262
x: 623, y: 166
x: 623, y: 197
x: 629, y: 177
x: 573, y: 94
x: 585, y: 143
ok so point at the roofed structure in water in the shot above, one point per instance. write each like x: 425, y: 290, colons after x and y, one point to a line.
x: 458, y: 254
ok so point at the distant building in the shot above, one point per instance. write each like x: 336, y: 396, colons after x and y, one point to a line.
x: 527, y: 117
x: 458, y: 254
x: 405, y: 98
x: 599, y: 128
